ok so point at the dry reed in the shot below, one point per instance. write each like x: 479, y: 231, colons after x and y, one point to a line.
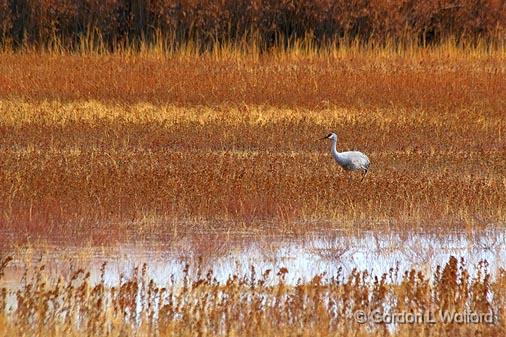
x: 260, y: 303
x: 115, y: 25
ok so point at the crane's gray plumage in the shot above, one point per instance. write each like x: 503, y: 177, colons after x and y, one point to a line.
x: 349, y: 160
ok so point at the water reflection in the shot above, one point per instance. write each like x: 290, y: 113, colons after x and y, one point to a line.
x: 304, y: 257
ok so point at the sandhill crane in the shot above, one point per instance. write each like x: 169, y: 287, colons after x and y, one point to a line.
x: 349, y: 160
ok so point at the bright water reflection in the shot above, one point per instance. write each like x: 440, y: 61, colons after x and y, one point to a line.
x: 304, y: 257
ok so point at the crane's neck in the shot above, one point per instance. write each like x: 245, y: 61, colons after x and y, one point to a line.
x: 333, y: 149
x: 337, y: 156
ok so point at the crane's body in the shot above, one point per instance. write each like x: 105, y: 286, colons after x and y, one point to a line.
x: 349, y: 160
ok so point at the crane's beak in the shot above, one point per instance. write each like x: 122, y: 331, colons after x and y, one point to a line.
x: 323, y: 138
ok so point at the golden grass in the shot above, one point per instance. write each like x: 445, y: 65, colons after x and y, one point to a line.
x: 250, y: 305
x: 436, y: 79
x: 94, y: 162
x: 230, y: 139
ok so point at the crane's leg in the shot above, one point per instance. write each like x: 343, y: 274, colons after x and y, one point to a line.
x: 365, y: 173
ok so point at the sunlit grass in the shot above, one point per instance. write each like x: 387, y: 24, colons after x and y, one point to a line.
x: 80, y: 163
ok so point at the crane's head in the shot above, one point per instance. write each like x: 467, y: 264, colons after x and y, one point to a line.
x: 331, y: 136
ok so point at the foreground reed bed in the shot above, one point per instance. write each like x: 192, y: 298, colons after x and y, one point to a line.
x: 260, y: 303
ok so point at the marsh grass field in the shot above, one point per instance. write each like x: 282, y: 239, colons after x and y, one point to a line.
x: 107, y: 149
x: 232, y: 140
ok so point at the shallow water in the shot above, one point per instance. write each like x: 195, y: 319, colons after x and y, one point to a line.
x: 303, y: 256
